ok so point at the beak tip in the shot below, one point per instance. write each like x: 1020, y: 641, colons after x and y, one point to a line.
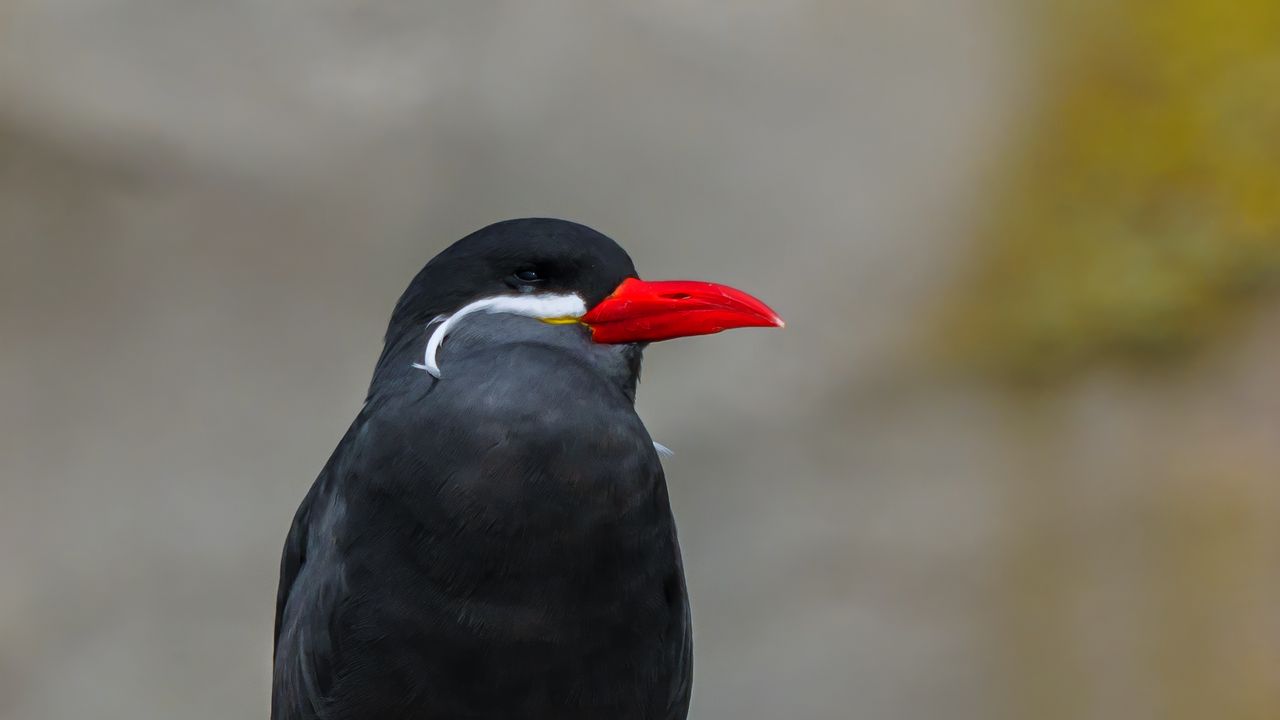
x: 772, y: 319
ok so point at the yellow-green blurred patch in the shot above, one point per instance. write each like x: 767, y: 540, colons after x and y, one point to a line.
x: 1142, y: 213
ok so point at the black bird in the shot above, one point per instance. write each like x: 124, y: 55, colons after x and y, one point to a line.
x: 492, y: 539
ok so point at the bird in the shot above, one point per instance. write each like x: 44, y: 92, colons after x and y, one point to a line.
x: 493, y: 538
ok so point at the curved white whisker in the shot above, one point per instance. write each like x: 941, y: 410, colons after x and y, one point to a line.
x: 537, y: 306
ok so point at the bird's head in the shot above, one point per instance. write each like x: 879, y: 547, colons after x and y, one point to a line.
x: 562, y: 274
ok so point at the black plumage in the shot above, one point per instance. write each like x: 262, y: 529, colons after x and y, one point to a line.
x: 497, y: 543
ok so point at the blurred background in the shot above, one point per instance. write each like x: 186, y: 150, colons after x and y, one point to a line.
x: 1017, y: 454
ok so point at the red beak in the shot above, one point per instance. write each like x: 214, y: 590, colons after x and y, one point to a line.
x: 643, y: 311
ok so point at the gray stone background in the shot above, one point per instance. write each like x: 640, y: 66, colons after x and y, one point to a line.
x: 208, y: 209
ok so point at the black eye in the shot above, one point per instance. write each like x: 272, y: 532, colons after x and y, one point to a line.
x: 528, y: 276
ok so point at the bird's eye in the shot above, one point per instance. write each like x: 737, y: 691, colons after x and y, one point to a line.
x: 528, y: 275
